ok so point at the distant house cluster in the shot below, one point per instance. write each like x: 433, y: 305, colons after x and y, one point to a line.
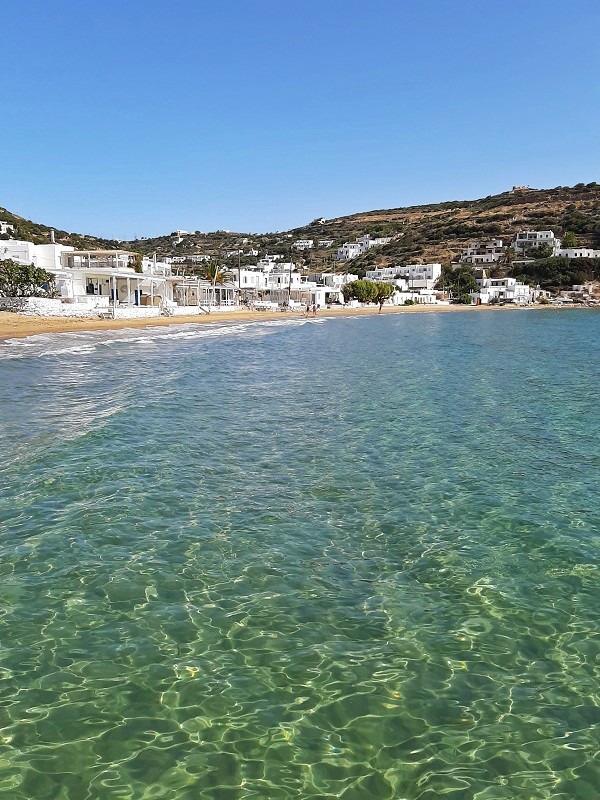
x: 363, y: 244
x: 494, y: 250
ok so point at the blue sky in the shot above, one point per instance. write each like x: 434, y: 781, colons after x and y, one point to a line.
x: 135, y: 117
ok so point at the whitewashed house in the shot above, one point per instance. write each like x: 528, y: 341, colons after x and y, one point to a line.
x: 252, y: 279
x: 362, y: 244
x: 95, y: 278
x: 349, y: 250
x: 6, y: 227
x: 332, y: 279
x: 507, y: 290
x: 303, y: 244
x: 403, y: 294
x: 417, y: 276
x: 19, y: 251
x: 311, y: 293
x: 194, y: 294
x: 528, y: 239
x: 478, y: 253
x: 578, y: 252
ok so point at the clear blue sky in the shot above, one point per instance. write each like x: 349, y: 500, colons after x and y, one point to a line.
x: 136, y: 117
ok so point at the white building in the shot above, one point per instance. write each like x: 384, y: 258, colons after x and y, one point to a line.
x: 362, y: 244
x: 6, y: 227
x: 417, y: 276
x: 270, y: 262
x: 482, y: 252
x: 332, y: 279
x: 349, y: 250
x: 578, y: 252
x: 527, y: 239
x: 96, y: 278
x: 303, y: 244
x: 507, y: 290
x: 282, y: 278
x: 19, y: 251
x: 325, y: 242
x: 195, y: 293
x: 421, y: 297
x: 178, y: 236
x: 250, y: 279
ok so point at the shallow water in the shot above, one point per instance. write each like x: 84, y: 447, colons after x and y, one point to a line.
x: 356, y: 558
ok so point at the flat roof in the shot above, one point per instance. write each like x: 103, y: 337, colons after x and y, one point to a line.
x: 99, y: 253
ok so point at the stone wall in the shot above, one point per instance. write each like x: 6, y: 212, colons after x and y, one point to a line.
x: 45, y: 307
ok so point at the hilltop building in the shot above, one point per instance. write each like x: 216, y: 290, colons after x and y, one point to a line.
x: 350, y: 250
x: 578, y: 252
x: 485, y: 252
x: 534, y: 239
x: 303, y: 244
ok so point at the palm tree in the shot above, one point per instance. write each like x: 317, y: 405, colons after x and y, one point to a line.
x: 214, y: 273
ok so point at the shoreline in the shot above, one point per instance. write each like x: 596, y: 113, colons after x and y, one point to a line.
x: 18, y: 326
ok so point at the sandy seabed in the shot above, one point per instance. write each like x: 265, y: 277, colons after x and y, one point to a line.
x: 14, y: 325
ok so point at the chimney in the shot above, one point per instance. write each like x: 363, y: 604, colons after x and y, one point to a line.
x: 52, y: 236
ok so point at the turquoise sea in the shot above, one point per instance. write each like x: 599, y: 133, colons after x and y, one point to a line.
x: 351, y: 558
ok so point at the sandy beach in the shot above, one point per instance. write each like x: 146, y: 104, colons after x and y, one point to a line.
x: 14, y: 325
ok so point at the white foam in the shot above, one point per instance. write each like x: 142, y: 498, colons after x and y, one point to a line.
x: 86, y: 342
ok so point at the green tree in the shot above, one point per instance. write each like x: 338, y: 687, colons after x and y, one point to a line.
x: 362, y: 290
x: 458, y: 282
x: 569, y: 239
x: 559, y: 273
x: 214, y: 273
x: 543, y: 251
x: 135, y: 261
x: 25, y: 280
x: 383, y: 292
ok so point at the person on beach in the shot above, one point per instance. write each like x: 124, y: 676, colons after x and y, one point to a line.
x: 314, y: 309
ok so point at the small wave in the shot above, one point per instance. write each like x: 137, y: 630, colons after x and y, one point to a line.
x: 86, y: 342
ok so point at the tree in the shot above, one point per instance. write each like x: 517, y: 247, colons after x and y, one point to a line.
x: 135, y: 261
x: 544, y: 250
x: 569, y: 239
x: 362, y: 290
x: 559, y: 273
x: 25, y: 280
x: 214, y: 273
x: 458, y: 282
x: 383, y: 292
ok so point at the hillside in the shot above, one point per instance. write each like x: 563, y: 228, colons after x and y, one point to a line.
x: 436, y: 232
x: 40, y: 234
